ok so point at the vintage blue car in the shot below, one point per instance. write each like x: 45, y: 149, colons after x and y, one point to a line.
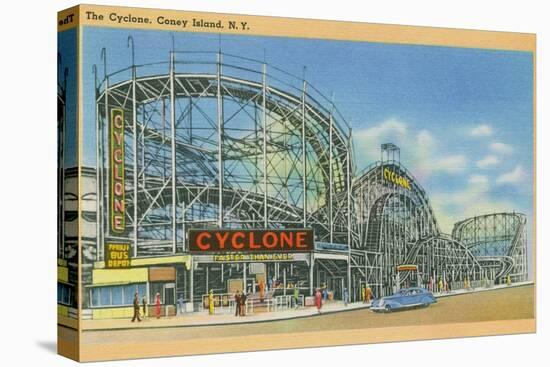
x: 403, y: 299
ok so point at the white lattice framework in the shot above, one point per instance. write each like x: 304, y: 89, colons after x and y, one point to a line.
x: 220, y: 140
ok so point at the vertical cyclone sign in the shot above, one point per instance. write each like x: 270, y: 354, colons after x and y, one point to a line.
x: 117, y: 171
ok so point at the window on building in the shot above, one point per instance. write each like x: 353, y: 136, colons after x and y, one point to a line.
x: 64, y: 294
x: 119, y: 295
x: 129, y: 291
x: 116, y: 296
x: 105, y: 295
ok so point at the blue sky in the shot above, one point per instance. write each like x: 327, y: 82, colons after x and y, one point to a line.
x: 463, y: 118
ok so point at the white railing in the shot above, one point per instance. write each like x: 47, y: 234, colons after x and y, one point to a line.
x: 454, y: 286
x: 280, y: 303
x: 224, y: 303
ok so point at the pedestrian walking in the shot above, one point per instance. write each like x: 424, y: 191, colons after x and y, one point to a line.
x: 368, y: 294
x: 363, y: 294
x: 157, y: 305
x: 346, y: 296
x: 318, y: 300
x: 440, y: 285
x: 243, y: 303
x: 296, y: 295
x: 211, y: 302
x: 261, y: 288
x: 431, y: 284
x: 237, y: 303
x: 181, y: 304
x: 136, y: 308
x: 144, y: 305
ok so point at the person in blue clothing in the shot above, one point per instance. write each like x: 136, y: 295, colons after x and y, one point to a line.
x: 181, y: 304
x: 346, y: 296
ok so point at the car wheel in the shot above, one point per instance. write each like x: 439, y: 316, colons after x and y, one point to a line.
x: 388, y: 308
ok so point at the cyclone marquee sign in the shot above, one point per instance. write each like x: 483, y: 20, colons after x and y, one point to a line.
x: 116, y: 154
x: 250, y: 240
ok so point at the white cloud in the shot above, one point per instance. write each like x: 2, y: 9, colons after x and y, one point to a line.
x: 418, y: 146
x: 425, y: 155
x: 516, y: 176
x: 367, y: 141
x: 479, y: 180
x: 450, y: 164
x: 471, y: 201
x: 501, y: 148
x: 488, y: 161
x: 387, y: 128
x: 481, y: 130
x: 421, y: 148
x: 424, y: 137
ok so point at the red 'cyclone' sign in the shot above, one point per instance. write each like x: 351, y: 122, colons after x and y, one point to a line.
x: 249, y: 240
x: 116, y: 153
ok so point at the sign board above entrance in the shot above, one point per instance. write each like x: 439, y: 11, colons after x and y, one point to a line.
x: 250, y: 240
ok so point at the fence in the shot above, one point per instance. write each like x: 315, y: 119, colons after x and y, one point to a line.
x: 453, y: 286
x: 224, y: 303
x: 280, y: 303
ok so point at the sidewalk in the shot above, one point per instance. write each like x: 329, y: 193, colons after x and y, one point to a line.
x: 202, y: 318
x: 480, y: 289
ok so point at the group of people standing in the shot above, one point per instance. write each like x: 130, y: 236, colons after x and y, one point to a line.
x: 144, y: 307
x: 240, y: 303
x: 366, y: 293
x: 441, y: 285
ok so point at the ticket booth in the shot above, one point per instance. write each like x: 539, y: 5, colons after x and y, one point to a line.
x: 408, y: 276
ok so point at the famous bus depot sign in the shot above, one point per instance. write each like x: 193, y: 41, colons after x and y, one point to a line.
x: 116, y: 153
x: 117, y: 256
x: 250, y: 240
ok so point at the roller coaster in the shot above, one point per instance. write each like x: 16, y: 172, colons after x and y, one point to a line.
x: 498, y: 242
x: 215, y: 140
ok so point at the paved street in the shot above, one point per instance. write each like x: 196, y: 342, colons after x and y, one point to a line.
x: 501, y: 304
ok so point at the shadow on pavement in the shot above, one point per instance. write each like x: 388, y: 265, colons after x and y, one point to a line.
x: 47, y: 345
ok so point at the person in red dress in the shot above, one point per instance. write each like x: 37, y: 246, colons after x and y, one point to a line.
x: 157, y: 305
x: 318, y: 300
